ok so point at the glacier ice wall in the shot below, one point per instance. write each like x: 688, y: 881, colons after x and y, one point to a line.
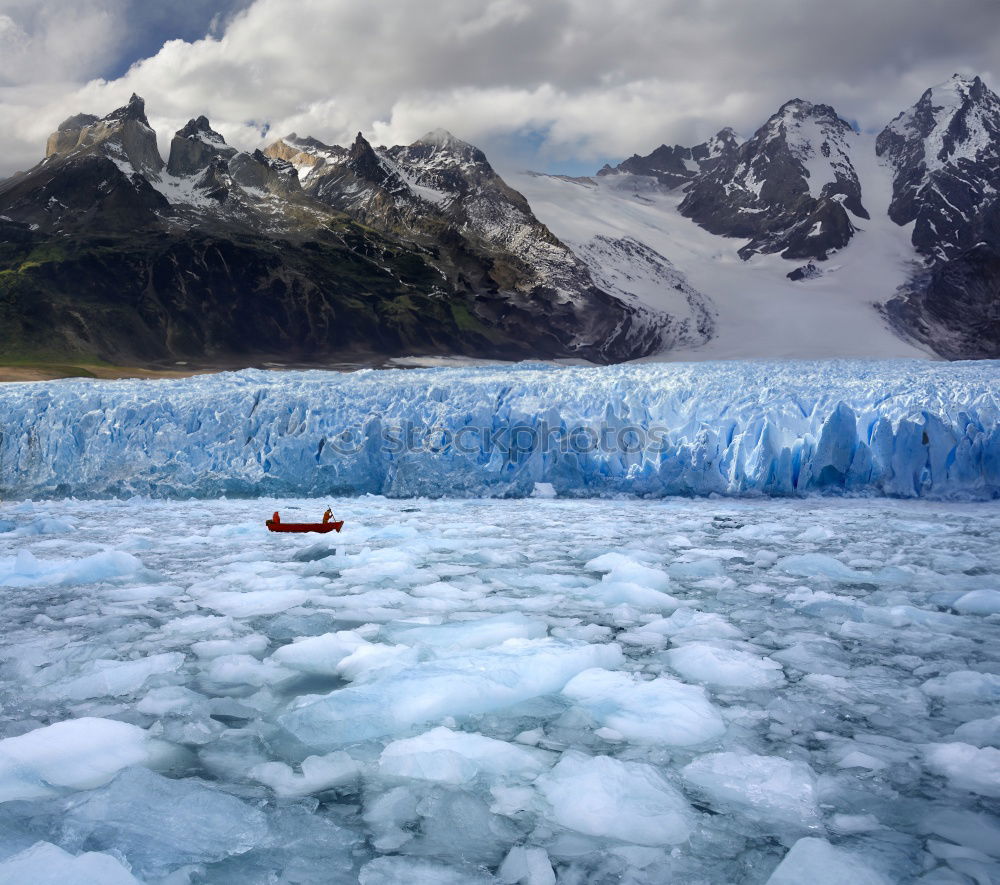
x: 899, y: 428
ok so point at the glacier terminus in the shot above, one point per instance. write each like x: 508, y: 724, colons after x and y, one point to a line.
x: 901, y: 428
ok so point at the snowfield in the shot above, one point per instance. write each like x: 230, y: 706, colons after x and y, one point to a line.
x: 902, y: 428
x: 499, y: 691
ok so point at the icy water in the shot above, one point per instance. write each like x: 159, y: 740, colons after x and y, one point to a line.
x: 501, y: 691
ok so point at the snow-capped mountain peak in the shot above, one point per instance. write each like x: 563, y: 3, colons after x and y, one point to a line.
x: 945, y: 156
x: 955, y: 120
x: 788, y: 189
x: 195, y: 147
x: 441, y: 138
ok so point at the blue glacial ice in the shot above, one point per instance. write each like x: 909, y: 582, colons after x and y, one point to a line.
x: 895, y: 428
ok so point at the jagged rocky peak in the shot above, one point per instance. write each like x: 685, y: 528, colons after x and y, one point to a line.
x: 195, y: 147
x: 944, y: 152
x: 448, y: 168
x: 123, y: 136
x: 677, y: 165
x: 261, y: 172
x: 367, y: 165
x: 791, y: 188
x: 305, y: 153
x: 723, y: 142
x: 953, y: 121
x: 945, y: 156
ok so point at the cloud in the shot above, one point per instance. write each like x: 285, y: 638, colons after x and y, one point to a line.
x: 542, y: 81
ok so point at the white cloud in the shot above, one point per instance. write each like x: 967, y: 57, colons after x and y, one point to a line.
x: 587, y: 80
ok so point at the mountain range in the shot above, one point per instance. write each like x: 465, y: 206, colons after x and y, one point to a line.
x: 807, y: 239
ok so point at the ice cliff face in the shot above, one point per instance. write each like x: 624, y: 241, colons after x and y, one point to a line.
x: 903, y: 428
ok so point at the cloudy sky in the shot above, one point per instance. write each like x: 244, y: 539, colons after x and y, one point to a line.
x: 557, y: 85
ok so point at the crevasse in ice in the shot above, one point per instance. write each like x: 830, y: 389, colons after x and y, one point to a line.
x: 897, y: 428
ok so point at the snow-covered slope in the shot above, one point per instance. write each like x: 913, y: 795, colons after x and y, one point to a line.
x: 901, y: 428
x: 757, y: 311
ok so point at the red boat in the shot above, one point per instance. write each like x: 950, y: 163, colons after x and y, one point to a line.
x: 328, y: 524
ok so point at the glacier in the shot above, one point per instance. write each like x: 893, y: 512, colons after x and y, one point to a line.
x: 897, y: 428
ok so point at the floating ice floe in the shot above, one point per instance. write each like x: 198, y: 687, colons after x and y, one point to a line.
x: 624, y: 801
x: 655, y: 711
x: 476, y: 682
x: 47, y: 864
x: 77, y: 754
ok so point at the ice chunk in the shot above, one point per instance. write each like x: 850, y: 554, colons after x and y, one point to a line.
x: 966, y: 767
x: 47, y: 864
x: 319, y: 773
x: 978, y: 831
x: 964, y: 687
x: 656, y: 711
x: 627, y: 801
x: 978, y: 602
x: 696, y: 569
x: 245, y: 670
x: 817, y: 862
x: 819, y: 565
x: 173, y: 700
x: 725, y: 667
x: 686, y: 625
x: 413, y: 871
x: 620, y: 568
x: 77, y: 754
x: 46, y: 525
x: 252, y: 603
x: 612, y: 593
x: 456, y: 757
x: 375, y: 659
x: 106, y: 678
x: 980, y: 732
x: 159, y: 824
x: 767, y: 786
x: 482, y: 633
x: 24, y: 570
x: 251, y: 644
x: 320, y: 655
x: 526, y: 866
x: 462, y: 685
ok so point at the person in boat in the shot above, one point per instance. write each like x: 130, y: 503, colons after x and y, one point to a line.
x: 326, y: 516
x: 275, y: 518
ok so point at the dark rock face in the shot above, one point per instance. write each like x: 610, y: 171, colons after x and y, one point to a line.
x: 788, y: 189
x: 807, y: 272
x: 196, y: 147
x: 945, y: 156
x: 675, y: 166
x: 442, y: 195
x: 85, y: 191
x: 264, y: 173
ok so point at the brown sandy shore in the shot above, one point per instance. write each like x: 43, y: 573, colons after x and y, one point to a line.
x: 55, y: 371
